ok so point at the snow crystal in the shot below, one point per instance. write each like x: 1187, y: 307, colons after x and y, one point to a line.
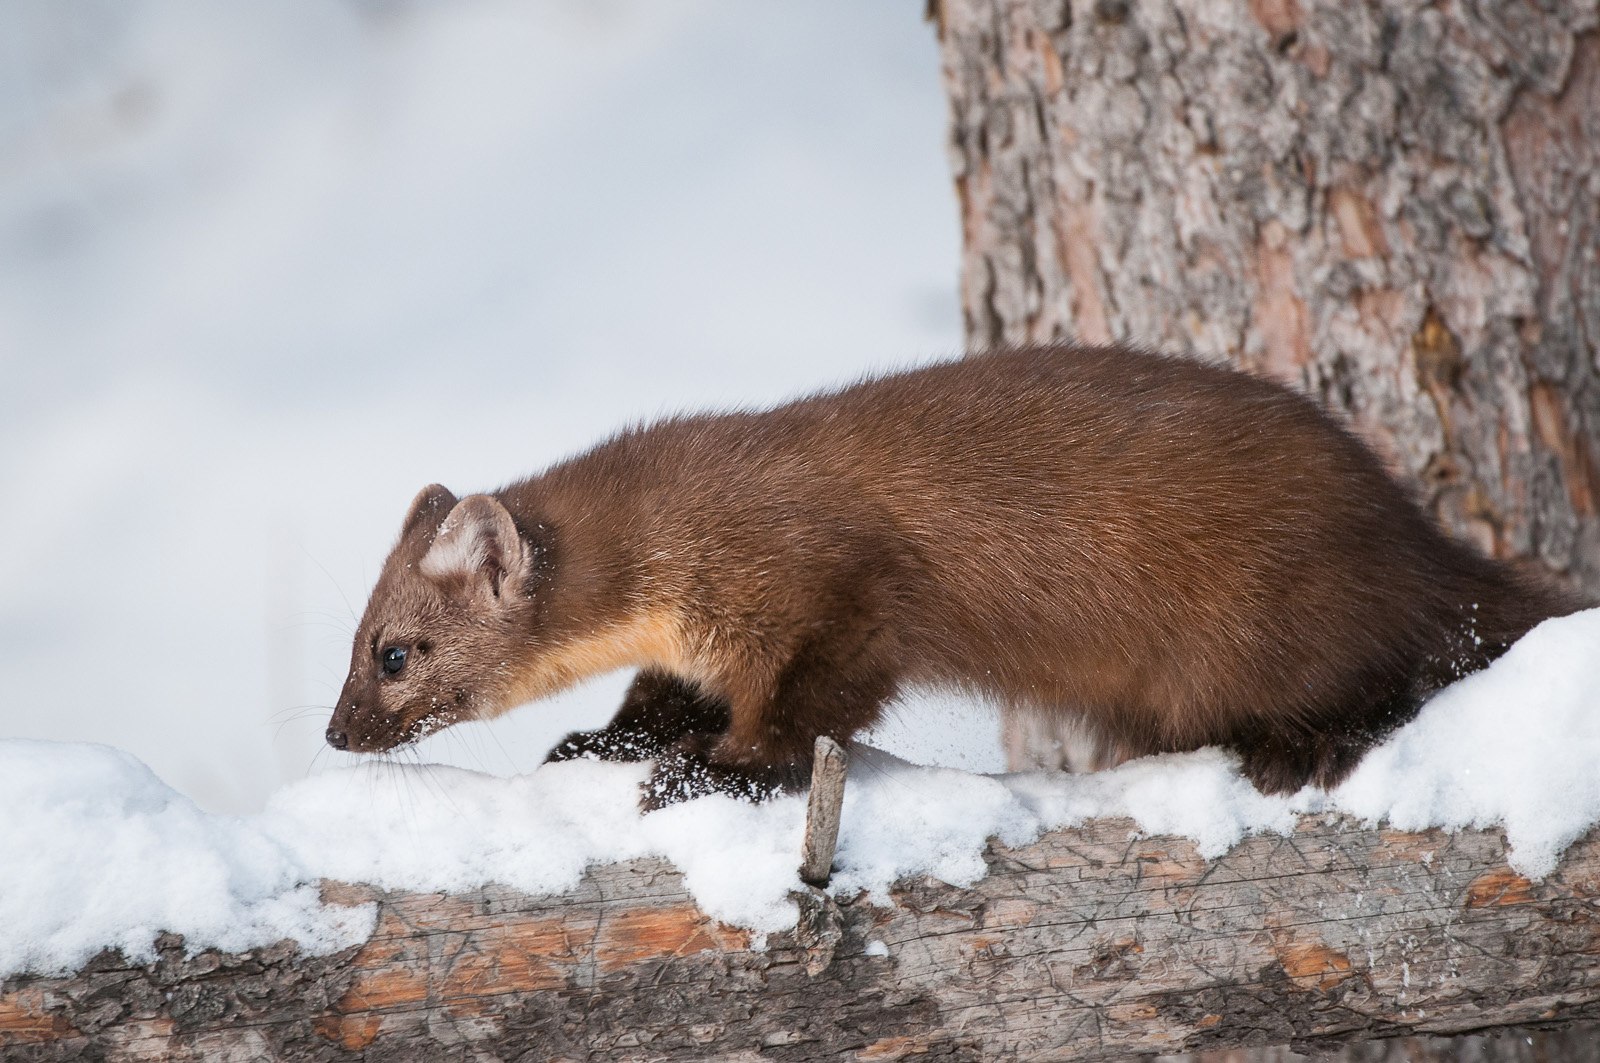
x: 98, y: 852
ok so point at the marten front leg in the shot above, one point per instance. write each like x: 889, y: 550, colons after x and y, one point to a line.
x: 657, y: 711
x: 767, y: 747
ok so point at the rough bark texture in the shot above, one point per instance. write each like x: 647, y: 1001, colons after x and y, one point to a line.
x: 1088, y: 944
x: 1392, y: 204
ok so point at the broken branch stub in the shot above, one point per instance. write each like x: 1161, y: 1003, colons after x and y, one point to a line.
x: 822, y: 811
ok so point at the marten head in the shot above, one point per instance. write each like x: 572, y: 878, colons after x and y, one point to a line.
x: 444, y: 628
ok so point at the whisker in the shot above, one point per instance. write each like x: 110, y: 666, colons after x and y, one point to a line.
x: 321, y: 614
x: 340, y: 628
x: 309, y: 715
x: 460, y: 743
x: 495, y: 738
x: 391, y: 768
x: 309, y: 707
x: 336, y: 587
x: 427, y: 772
x: 315, y: 756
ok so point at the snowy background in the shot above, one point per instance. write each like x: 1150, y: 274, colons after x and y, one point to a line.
x: 266, y: 269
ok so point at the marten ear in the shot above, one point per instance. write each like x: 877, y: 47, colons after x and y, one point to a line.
x: 428, y: 510
x: 478, y: 544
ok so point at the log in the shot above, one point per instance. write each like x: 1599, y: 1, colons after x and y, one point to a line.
x: 1090, y: 944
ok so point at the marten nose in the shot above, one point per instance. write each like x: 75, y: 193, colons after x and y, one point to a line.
x: 337, y: 738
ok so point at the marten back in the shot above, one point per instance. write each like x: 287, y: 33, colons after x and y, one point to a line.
x: 1177, y: 553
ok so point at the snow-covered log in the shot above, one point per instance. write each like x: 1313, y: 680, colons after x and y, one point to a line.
x: 1089, y: 943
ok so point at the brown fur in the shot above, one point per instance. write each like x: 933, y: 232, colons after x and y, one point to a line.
x: 1176, y: 553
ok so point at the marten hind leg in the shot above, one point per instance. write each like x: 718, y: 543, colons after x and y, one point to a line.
x: 767, y: 747
x: 657, y: 711
x: 1281, y: 762
x: 1324, y: 749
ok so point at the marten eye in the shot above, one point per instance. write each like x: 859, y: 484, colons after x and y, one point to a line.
x: 393, y: 659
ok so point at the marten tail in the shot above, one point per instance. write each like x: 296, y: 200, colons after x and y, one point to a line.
x: 1484, y: 608
x: 1469, y: 617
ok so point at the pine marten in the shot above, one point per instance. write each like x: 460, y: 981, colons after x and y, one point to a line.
x: 1175, y: 553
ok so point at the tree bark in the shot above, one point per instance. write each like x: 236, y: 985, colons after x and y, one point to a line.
x: 1391, y: 205
x: 1087, y: 944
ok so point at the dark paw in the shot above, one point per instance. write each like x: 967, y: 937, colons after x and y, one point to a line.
x: 1281, y: 766
x: 1274, y: 776
x: 605, y: 744
x: 686, y: 770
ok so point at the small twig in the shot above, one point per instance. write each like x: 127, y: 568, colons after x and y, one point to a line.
x: 822, y: 811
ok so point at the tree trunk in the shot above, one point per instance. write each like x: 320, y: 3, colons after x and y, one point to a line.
x: 1391, y: 205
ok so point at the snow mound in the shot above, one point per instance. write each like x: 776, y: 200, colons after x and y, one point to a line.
x: 99, y: 852
x: 1516, y: 746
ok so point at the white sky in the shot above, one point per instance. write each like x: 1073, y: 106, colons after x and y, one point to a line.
x: 266, y: 269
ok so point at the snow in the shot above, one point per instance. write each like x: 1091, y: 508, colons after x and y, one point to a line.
x: 1516, y: 745
x: 268, y: 269
x: 99, y: 852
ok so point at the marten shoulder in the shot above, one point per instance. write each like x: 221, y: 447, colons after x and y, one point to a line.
x: 1173, y: 553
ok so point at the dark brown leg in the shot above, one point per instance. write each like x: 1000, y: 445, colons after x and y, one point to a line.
x: 767, y: 748
x: 657, y: 711
x: 1281, y: 763
x: 1326, y: 746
